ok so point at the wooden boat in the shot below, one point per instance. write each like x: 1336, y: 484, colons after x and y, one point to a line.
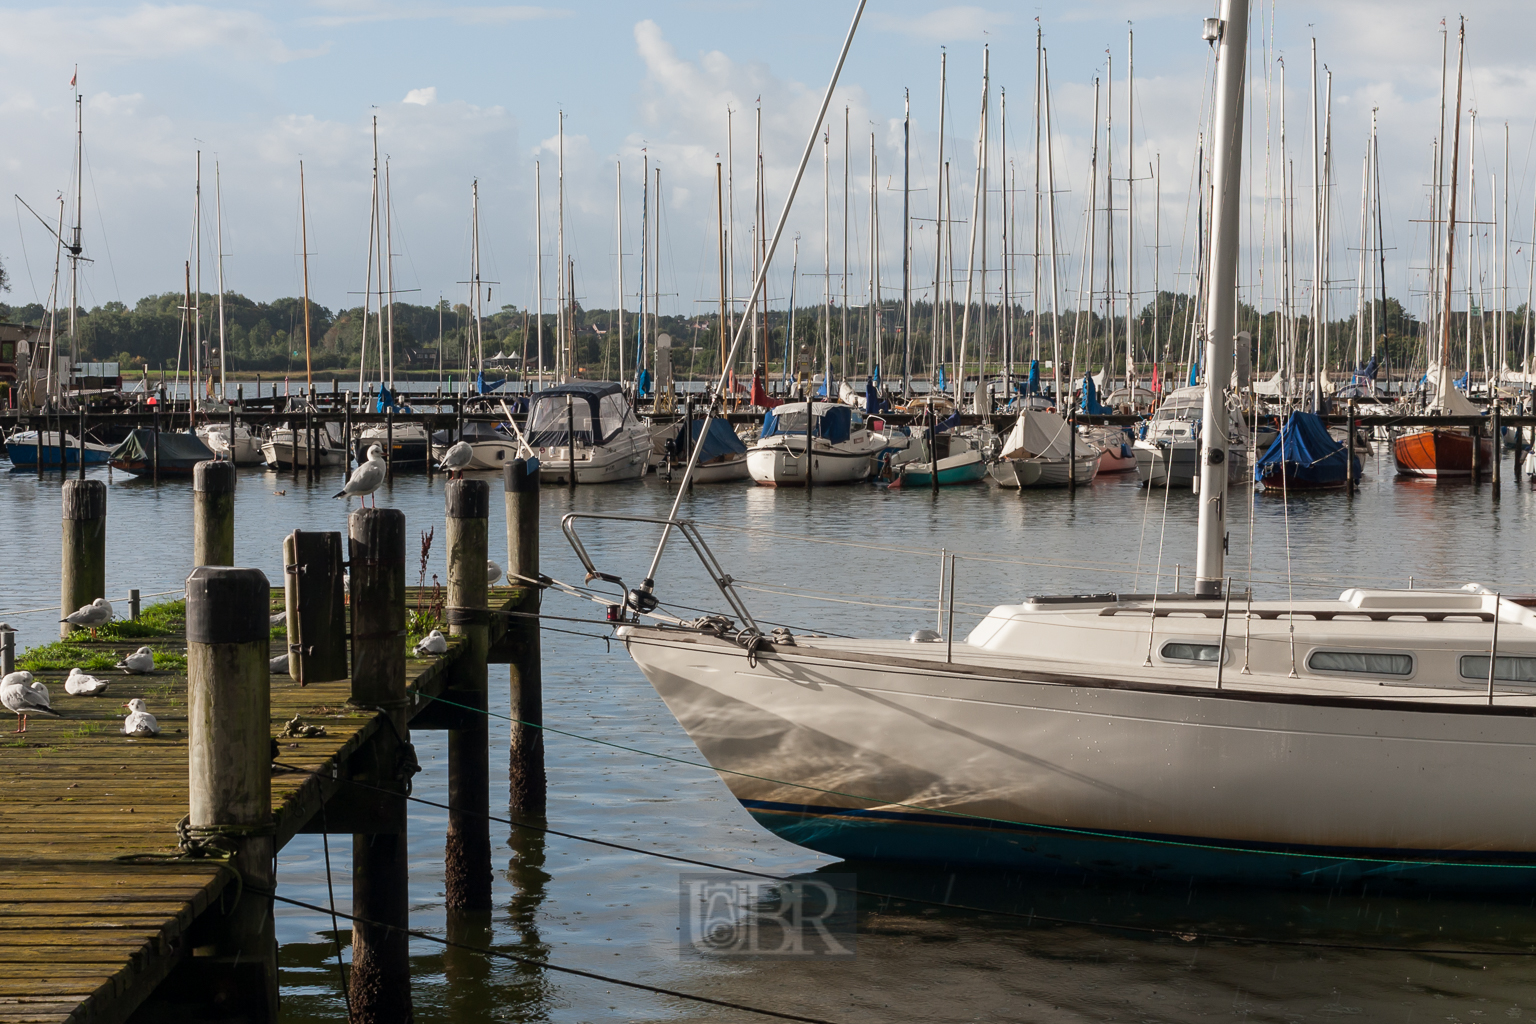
x: 1440, y: 452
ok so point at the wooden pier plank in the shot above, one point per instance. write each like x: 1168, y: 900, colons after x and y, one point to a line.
x: 93, y: 908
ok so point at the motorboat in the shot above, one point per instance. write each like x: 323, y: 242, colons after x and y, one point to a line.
x: 246, y: 450
x: 159, y: 453
x: 960, y: 460
x: 490, y: 444
x: 587, y: 429
x: 1168, y: 454
x: 842, y: 446
x: 282, y: 451
x: 21, y: 448
x: 405, y: 444
x: 722, y: 459
x: 1039, y: 452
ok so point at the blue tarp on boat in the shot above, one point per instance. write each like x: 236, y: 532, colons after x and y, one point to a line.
x: 1306, y: 454
x: 833, y: 423
x: 720, y: 440
x: 1091, y: 404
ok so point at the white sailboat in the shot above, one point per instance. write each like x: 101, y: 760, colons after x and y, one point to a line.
x: 842, y: 448
x: 1169, y: 454
x: 1382, y: 737
x: 586, y: 429
x: 1039, y: 452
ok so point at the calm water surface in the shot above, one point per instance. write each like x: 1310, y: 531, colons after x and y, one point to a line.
x: 861, y: 561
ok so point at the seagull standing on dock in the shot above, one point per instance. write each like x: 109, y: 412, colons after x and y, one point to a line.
x: 457, y: 458
x: 139, y: 721
x: 365, y: 479
x: 97, y: 613
x: 139, y: 662
x: 19, y: 693
x: 433, y: 643
x: 492, y: 573
x: 81, y: 685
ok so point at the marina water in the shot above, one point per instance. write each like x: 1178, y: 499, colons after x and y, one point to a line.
x: 854, y: 560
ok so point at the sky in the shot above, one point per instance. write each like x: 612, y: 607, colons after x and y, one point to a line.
x: 466, y: 94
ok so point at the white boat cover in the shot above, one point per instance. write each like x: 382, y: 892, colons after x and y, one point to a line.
x: 1273, y: 387
x: 1450, y: 401
x: 1038, y: 434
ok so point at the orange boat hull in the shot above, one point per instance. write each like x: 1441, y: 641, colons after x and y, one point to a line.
x: 1441, y: 452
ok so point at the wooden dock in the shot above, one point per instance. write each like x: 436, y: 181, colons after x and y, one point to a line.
x: 98, y: 905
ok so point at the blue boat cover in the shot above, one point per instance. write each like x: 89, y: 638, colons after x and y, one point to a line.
x: 941, y: 384
x: 1033, y: 387
x: 720, y: 440
x: 386, y: 399
x: 1091, y: 404
x: 485, y: 387
x: 833, y: 423
x: 643, y: 382
x: 1306, y: 453
x: 873, y: 403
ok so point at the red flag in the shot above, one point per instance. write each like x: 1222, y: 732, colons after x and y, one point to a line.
x: 1156, y: 387
x: 72, y: 79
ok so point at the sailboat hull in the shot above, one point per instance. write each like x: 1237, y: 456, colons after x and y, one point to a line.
x: 881, y: 750
x: 1437, y: 453
x: 1046, y: 472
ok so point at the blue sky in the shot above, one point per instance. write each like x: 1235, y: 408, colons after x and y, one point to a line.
x: 466, y: 92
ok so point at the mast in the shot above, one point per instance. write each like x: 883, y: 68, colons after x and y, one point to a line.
x: 873, y: 353
x: 645, y: 261
x: 1157, y: 258
x: 1130, y: 215
x: 982, y: 178
x: 1317, y: 245
x: 970, y: 270
x: 1231, y: 41
x: 1006, y: 305
x: 538, y: 265
x: 389, y: 271
x: 373, y: 214
x: 475, y: 310
x: 218, y: 215
x: 1034, y: 332
x: 197, y: 301
x: 562, y: 360
x: 378, y: 251
x: 1325, y: 299
x: 75, y: 247
x: 1109, y: 214
x: 906, y: 241
x: 938, y: 237
x: 309, y: 376
x: 1050, y: 184
x: 826, y: 264
x: 1089, y: 266
x: 720, y: 242
x: 656, y: 268
x: 846, y: 159
x: 618, y: 206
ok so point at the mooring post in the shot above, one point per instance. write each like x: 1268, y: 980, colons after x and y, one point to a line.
x: 85, y: 547
x: 389, y: 445
x: 1071, y: 453
x: 526, y: 767
x: 154, y: 455
x: 1349, y: 450
x: 1476, y: 431
x: 1498, y: 448
x: 380, y: 984
x: 133, y: 604
x: 7, y: 649
x: 229, y: 742
x: 467, y: 871
x: 213, y: 513
x: 315, y: 600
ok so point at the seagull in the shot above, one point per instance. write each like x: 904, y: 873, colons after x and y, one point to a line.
x: 20, y: 694
x: 139, y: 662
x: 492, y: 573
x: 97, y: 613
x: 365, y: 479
x: 457, y: 458
x: 277, y: 620
x: 432, y: 643
x: 139, y: 721
x: 81, y: 685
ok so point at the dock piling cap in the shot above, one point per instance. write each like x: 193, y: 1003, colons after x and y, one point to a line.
x: 226, y: 605
x: 213, y: 476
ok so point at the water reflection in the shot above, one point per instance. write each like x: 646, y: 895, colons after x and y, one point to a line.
x: 530, y: 992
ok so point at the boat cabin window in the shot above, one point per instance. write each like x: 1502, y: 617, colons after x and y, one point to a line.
x: 1181, y: 651
x: 614, y: 411
x: 547, y: 423
x: 1515, y: 670
x: 1367, y: 663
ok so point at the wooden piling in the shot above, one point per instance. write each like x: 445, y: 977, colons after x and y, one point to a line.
x: 133, y: 604
x: 1476, y: 430
x: 527, y: 784
x: 84, y: 577
x: 1498, y: 449
x: 7, y: 650
x: 213, y: 513
x: 79, y: 441
x: 389, y: 445
x: 230, y: 794
x: 1350, y: 483
x: 467, y: 870
x: 315, y: 600
x: 154, y: 455
x: 380, y: 984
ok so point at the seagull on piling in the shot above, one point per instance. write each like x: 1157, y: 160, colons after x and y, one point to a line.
x: 457, y: 458
x: 81, y: 685
x: 432, y: 643
x: 97, y: 613
x: 139, y: 721
x: 139, y: 662
x: 366, y: 478
x: 19, y: 693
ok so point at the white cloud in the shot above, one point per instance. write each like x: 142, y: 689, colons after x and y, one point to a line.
x: 945, y: 25
x: 149, y: 31
x: 354, y: 12
x: 421, y: 97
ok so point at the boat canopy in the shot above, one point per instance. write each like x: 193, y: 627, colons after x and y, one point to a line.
x: 1307, y: 452
x: 177, y: 450
x: 591, y: 402
x: 1038, y: 435
x: 833, y: 421
x: 474, y: 430
x: 720, y: 440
